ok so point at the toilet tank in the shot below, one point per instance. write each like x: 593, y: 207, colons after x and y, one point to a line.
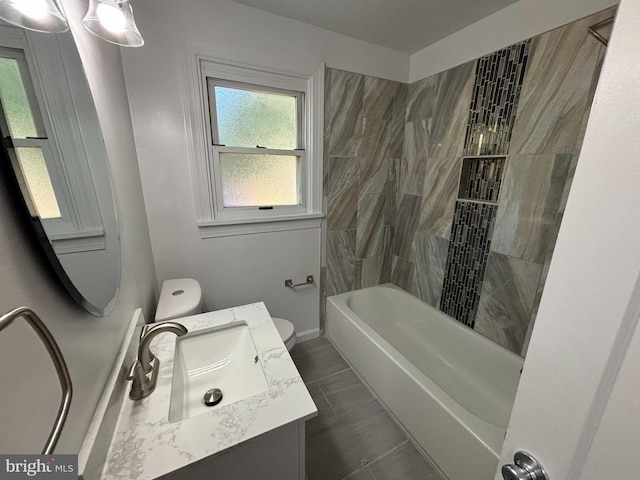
x: 179, y: 297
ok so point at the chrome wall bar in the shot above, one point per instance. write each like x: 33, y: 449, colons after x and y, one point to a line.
x: 289, y: 282
x: 59, y: 363
x: 602, y: 30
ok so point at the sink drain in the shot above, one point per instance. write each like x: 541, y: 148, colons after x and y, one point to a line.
x: 212, y: 397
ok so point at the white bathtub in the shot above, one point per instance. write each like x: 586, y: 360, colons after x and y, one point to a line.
x: 451, y: 388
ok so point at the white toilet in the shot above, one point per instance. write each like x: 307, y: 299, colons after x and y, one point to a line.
x: 181, y: 297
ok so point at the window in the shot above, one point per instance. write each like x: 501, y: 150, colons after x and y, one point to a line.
x: 23, y: 121
x: 255, y: 127
x: 44, y: 100
x: 257, y: 148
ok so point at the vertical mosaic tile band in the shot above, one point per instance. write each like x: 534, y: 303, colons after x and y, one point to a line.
x: 467, y: 260
x: 499, y: 78
x: 481, y: 178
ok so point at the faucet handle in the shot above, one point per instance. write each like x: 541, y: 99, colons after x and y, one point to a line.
x: 142, y: 385
x: 132, y: 370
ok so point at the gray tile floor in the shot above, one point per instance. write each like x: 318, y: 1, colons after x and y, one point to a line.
x: 352, y: 437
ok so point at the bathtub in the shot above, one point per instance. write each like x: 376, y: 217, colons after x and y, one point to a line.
x: 449, y: 387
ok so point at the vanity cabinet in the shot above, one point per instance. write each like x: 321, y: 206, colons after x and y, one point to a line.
x: 278, y: 454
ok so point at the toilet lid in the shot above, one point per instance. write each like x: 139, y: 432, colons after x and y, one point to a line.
x: 285, y: 328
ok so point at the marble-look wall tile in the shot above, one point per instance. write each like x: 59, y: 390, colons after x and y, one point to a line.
x: 416, y: 146
x: 422, y: 98
x: 391, y: 190
x: 440, y: 105
x: 345, y: 113
x: 451, y: 111
x: 400, y: 103
x: 402, y: 273
x: 439, y: 195
x: 372, y: 271
x: 379, y: 95
x: 375, y: 154
x: 534, y: 308
x: 592, y: 91
x: 341, y: 246
x: 430, y: 267
x: 530, y: 199
x: 327, y: 125
x: 364, y: 138
x: 372, y: 233
x: 556, y: 89
x: 509, y: 289
x: 406, y: 225
x: 341, y: 189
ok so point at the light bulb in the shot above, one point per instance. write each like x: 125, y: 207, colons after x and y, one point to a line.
x: 111, y: 18
x: 36, y: 9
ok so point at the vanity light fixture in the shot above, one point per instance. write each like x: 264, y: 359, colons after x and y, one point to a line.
x: 38, y: 15
x: 112, y: 20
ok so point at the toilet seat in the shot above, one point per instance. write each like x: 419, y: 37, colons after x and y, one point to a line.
x: 286, y: 331
x: 179, y: 297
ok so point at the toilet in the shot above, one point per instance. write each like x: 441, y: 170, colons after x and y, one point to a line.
x: 181, y: 297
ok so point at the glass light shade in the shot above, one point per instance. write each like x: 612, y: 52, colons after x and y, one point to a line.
x: 112, y: 20
x: 38, y: 15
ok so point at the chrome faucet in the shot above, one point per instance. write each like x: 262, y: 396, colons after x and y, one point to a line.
x: 146, y: 364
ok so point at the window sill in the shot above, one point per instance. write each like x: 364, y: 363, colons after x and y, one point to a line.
x: 248, y: 226
x: 80, y: 241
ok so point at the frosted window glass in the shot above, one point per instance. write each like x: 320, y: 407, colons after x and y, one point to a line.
x: 37, y: 177
x: 247, y: 119
x: 258, y: 180
x: 14, y: 100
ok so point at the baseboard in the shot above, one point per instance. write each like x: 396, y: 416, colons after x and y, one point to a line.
x: 308, y: 335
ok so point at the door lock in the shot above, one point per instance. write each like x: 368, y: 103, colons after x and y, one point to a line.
x: 526, y: 468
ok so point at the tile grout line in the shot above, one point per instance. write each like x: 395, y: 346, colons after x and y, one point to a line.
x: 335, y: 414
x: 336, y: 418
x: 366, y: 467
x: 331, y: 375
x: 391, y: 415
x: 379, y: 457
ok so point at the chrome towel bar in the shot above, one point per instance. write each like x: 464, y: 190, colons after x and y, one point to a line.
x: 289, y: 282
x: 58, y: 361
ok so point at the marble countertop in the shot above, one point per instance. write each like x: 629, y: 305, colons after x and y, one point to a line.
x: 146, y: 445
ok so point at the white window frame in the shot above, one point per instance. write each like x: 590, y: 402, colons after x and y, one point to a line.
x: 81, y: 226
x: 229, y: 63
x: 230, y: 213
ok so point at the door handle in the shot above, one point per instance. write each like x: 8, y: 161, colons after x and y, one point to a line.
x: 526, y: 468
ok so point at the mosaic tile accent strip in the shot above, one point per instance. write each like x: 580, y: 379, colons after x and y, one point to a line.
x: 467, y: 260
x: 496, y: 92
x: 481, y: 178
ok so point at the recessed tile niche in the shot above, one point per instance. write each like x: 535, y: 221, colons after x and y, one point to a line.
x: 481, y: 178
x: 453, y: 187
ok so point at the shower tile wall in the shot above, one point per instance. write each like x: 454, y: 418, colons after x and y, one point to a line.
x: 496, y: 93
x: 393, y: 165
x: 364, y: 130
x: 493, y: 108
x: 547, y: 136
x: 437, y: 115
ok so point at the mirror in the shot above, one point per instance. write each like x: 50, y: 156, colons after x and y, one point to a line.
x: 52, y: 136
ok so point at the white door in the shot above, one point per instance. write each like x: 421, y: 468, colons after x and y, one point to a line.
x: 578, y: 405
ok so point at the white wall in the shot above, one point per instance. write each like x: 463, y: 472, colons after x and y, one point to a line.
x: 30, y: 394
x: 239, y: 269
x: 524, y: 19
x: 586, y: 340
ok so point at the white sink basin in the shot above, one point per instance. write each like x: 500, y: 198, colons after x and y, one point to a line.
x: 220, y: 357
